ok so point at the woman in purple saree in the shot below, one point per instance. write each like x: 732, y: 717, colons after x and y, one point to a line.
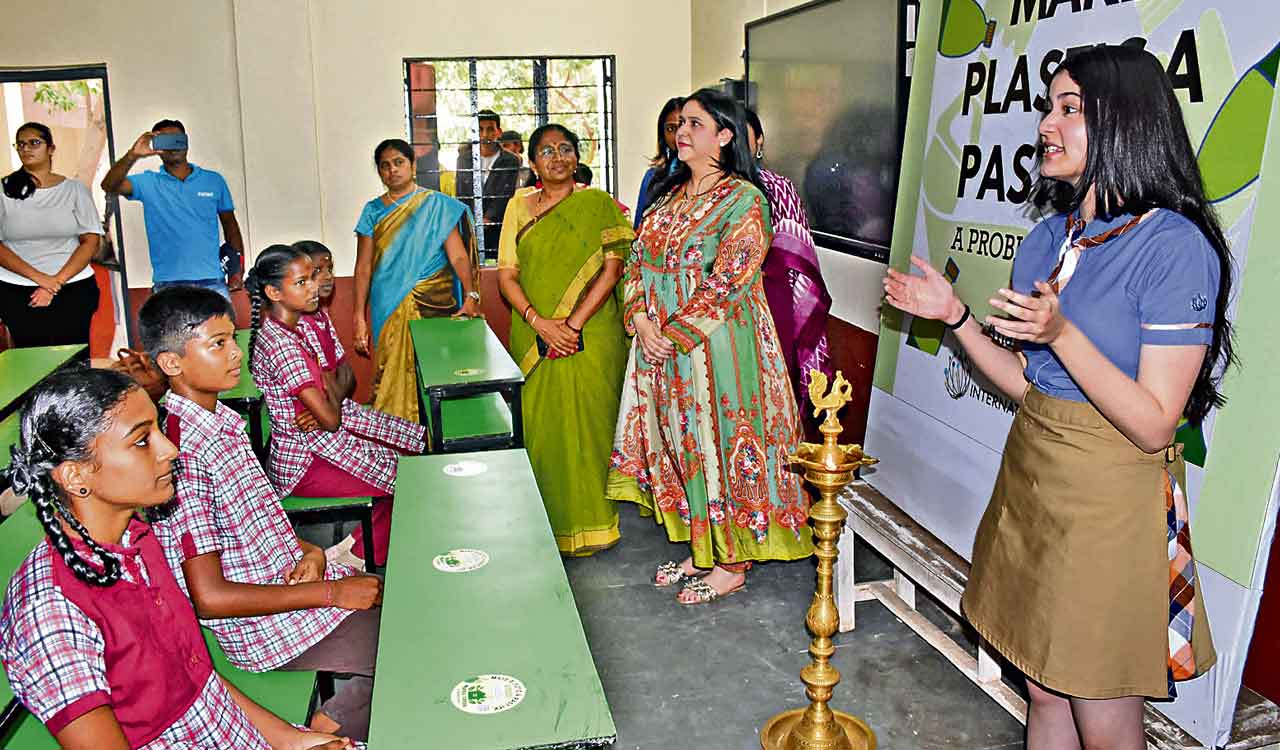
x: 793, y: 285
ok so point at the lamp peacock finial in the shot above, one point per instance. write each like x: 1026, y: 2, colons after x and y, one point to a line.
x: 841, y: 393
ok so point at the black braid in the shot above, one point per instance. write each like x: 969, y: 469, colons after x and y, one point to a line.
x: 65, y: 413
x: 255, y: 318
x: 47, y: 499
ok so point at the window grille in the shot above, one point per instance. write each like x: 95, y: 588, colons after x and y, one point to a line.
x: 443, y: 100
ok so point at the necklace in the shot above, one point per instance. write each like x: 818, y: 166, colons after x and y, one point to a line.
x: 714, y: 185
x: 395, y: 202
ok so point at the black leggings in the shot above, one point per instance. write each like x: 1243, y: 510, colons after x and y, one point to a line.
x: 64, y: 321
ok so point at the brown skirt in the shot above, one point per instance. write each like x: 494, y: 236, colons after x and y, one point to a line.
x: 1070, y: 575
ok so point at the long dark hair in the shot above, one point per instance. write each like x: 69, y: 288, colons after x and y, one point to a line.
x: 19, y: 184
x: 735, y: 157
x: 662, y: 156
x: 268, y: 270
x: 64, y: 414
x: 1140, y: 158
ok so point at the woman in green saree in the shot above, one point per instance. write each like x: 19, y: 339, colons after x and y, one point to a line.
x: 411, y: 262
x: 560, y: 256
x: 708, y: 415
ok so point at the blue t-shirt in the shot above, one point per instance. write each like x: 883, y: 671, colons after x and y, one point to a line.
x: 182, y: 222
x: 1142, y: 287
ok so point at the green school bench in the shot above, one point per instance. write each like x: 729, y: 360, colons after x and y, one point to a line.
x: 468, y: 386
x: 514, y: 617
x: 21, y: 369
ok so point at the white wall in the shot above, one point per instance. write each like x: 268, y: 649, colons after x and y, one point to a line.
x: 164, y: 59
x: 718, y: 29
x: 287, y: 98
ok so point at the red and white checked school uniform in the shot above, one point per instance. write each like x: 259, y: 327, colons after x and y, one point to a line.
x: 321, y: 338
x: 224, y: 503
x: 367, y: 445
x: 69, y: 647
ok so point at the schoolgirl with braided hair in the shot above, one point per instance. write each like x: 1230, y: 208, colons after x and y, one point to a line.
x: 90, y: 457
x: 323, y: 444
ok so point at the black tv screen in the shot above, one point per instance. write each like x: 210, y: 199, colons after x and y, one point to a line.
x: 828, y: 81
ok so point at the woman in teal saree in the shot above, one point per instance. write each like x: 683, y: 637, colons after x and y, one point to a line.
x: 411, y: 262
x: 560, y: 256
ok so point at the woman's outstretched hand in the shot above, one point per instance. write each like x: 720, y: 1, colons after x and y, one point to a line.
x: 1036, y: 318
x: 929, y: 296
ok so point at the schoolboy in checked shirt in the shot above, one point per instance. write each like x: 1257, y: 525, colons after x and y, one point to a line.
x: 270, y: 598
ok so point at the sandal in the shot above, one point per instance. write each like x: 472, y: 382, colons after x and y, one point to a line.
x: 705, y: 593
x: 670, y: 573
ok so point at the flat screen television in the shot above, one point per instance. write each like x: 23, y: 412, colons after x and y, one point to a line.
x: 829, y: 80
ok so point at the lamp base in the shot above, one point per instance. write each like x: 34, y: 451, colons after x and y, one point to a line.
x: 781, y: 733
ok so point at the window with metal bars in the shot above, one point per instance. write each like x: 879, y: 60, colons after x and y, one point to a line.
x: 445, y: 101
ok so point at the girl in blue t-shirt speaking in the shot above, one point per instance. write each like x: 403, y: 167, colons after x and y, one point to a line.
x: 1118, y: 309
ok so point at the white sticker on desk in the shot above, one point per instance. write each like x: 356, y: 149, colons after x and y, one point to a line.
x: 461, y: 560
x: 467, y: 372
x: 487, y: 694
x: 465, y: 468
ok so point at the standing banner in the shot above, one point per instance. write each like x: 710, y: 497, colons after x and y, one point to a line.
x: 937, y: 425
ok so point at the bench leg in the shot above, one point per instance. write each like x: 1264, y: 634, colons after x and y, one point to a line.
x: 905, y: 588
x: 366, y: 530
x: 517, y: 418
x: 988, y: 667
x: 845, y: 582
x: 437, y: 429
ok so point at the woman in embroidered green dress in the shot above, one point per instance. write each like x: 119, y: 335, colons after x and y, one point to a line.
x: 708, y: 416
x: 559, y: 259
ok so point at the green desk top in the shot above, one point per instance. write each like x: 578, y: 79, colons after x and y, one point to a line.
x: 514, y: 616
x: 9, y: 428
x: 475, y: 416
x: 460, y: 352
x: 20, y: 369
x: 245, y: 389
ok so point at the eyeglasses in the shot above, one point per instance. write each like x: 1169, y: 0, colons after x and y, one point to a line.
x: 565, y: 150
x: 34, y: 143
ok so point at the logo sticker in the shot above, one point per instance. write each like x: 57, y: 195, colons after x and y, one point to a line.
x: 465, y: 468
x: 467, y: 372
x: 1199, y: 302
x: 461, y: 560
x: 487, y: 694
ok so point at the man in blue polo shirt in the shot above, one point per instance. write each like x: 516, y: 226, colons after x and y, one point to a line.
x: 183, y: 207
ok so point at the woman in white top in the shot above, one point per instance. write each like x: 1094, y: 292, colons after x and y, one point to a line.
x: 49, y: 230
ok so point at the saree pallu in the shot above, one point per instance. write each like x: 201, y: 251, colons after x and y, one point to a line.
x: 570, y: 404
x: 703, y: 437
x: 799, y: 302
x: 412, y: 279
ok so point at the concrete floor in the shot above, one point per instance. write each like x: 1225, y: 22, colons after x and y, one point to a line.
x: 708, y: 677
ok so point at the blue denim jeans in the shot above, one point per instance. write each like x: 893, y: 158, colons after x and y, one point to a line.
x: 217, y: 285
